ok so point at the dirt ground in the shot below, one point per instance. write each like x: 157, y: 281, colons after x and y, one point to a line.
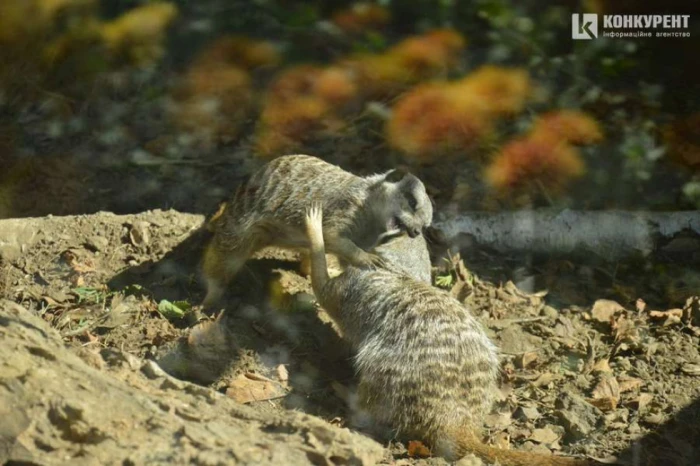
x: 599, y: 378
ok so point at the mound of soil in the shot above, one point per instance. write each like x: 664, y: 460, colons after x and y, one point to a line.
x: 98, y: 313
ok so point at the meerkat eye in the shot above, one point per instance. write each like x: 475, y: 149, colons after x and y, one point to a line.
x: 412, y: 202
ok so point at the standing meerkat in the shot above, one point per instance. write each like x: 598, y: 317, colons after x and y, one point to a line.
x: 425, y: 365
x: 269, y: 210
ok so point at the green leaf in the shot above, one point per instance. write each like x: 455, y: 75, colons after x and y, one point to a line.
x: 90, y: 294
x: 444, y: 281
x: 174, y: 310
x: 135, y: 290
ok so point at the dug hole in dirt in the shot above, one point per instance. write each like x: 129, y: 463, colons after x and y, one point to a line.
x: 104, y: 361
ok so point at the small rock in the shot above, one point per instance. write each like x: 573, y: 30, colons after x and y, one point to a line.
x: 115, y: 357
x: 634, y: 428
x: 498, y: 421
x: 282, y: 373
x: 545, y: 435
x: 152, y: 370
x: 655, y: 419
x: 578, y: 417
x: 642, y: 401
x: 604, y: 309
x: 549, y: 311
x: 138, y: 234
x: 514, y: 340
x: 97, y: 243
x: 527, y: 413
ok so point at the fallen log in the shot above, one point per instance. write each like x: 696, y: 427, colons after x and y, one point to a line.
x: 609, y: 234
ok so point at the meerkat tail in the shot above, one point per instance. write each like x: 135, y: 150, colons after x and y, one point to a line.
x: 469, y: 443
x: 314, y: 230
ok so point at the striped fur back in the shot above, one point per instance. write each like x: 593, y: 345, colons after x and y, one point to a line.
x: 423, y: 360
x: 281, y: 190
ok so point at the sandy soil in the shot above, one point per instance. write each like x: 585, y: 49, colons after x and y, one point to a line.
x: 599, y: 378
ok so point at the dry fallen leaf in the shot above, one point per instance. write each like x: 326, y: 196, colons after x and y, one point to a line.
x: 604, y: 404
x: 625, y: 330
x: 643, y: 400
x: 672, y: 316
x: 77, y: 281
x: 607, y: 460
x: 604, y: 310
x: 629, y: 384
x: 691, y: 369
x: 526, y: 359
x: 602, y: 365
x: 640, y: 305
x: 71, y: 258
x: 257, y: 377
x: 337, y: 421
x: 607, y: 388
x: 91, y: 338
x: 138, y: 234
x: 501, y: 440
x: 544, y: 379
x: 282, y: 373
x: 606, y: 394
x: 50, y: 302
x: 417, y: 449
x: 245, y: 389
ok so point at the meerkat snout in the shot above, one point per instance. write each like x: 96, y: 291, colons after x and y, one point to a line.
x: 411, y: 207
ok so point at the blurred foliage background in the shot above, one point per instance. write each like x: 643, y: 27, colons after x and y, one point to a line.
x: 127, y: 105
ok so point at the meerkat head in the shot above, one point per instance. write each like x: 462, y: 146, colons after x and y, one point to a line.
x: 406, y: 205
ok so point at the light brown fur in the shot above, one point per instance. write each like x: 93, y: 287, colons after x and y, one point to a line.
x: 269, y: 210
x: 426, y: 367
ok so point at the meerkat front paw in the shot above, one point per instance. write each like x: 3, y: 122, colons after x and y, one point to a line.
x: 314, y: 224
x: 314, y: 215
x: 368, y: 260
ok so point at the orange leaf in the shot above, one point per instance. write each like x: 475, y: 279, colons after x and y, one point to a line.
x: 417, y: 449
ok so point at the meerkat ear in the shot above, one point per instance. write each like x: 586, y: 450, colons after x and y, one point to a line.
x: 396, y: 175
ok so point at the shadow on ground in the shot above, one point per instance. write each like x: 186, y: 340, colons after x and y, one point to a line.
x: 676, y: 442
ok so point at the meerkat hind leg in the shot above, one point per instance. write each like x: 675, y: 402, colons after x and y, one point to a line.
x: 367, y: 413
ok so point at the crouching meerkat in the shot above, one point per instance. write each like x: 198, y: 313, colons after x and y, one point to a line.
x: 405, y: 255
x: 269, y: 210
x: 426, y: 367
